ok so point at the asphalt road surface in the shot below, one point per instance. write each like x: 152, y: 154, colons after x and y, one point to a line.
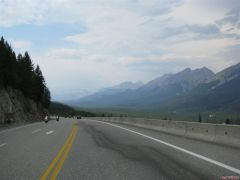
x: 88, y: 149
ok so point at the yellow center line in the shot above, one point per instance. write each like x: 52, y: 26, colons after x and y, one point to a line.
x: 51, y: 166
x: 61, y: 161
x: 62, y: 153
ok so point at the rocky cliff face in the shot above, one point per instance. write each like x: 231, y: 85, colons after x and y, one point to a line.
x: 15, y: 108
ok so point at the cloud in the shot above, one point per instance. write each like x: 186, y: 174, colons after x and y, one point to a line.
x: 232, y: 17
x: 189, y: 32
x: 65, y: 54
x: 230, y: 23
x: 15, y: 12
x: 203, y: 11
x: 231, y: 53
x: 21, y: 45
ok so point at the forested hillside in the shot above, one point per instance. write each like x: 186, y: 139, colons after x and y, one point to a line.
x: 57, y: 108
x: 24, y: 95
x: 19, y: 73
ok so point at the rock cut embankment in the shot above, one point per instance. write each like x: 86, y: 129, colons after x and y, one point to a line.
x: 16, y: 108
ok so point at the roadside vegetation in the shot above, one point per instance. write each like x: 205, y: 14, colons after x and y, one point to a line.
x: 60, y: 109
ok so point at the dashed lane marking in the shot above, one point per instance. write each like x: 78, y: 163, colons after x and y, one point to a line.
x: 35, y: 131
x: 49, y: 132
x: 1, y: 145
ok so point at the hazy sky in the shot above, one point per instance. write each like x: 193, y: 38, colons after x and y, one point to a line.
x: 91, y: 44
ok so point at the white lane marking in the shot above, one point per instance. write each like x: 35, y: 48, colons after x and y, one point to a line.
x: 1, y: 145
x: 49, y: 132
x: 35, y: 131
x: 230, y: 168
x: 20, y: 127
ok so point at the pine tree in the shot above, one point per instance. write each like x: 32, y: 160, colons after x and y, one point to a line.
x: 26, y: 73
x: 2, y: 48
x: 40, y: 90
x: 38, y: 84
x: 8, y: 65
x: 46, y: 98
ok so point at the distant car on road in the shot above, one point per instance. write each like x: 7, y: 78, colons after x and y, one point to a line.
x: 79, y: 117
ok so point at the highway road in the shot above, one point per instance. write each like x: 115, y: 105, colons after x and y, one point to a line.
x: 89, y: 149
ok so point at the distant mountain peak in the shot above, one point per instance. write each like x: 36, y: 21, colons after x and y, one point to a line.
x: 201, y: 70
x: 205, y: 68
x: 226, y: 75
x: 189, y: 76
x: 128, y: 85
x: 187, y: 70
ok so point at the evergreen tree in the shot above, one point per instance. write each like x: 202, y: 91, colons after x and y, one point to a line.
x: 46, y: 100
x: 40, y: 90
x: 38, y: 84
x: 8, y: 65
x: 26, y: 73
x: 2, y: 61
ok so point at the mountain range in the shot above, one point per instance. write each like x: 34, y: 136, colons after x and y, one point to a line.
x: 221, y: 92
x: 197, y: 89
